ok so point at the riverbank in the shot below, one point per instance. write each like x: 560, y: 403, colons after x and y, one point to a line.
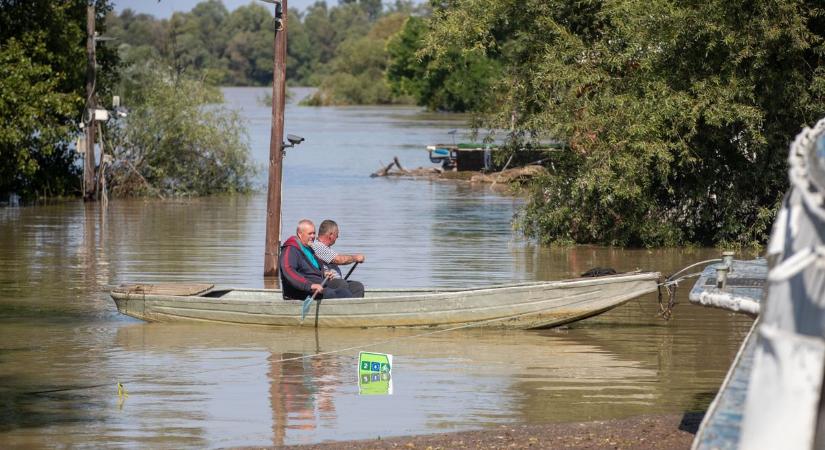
x: 642, y: 432
x: 506, y: 180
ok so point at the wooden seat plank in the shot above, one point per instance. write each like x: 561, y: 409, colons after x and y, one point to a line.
x: 164, y: 288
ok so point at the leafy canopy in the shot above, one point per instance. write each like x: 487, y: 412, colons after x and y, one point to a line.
x: 178, y: 139
x: 42, y: 92
x: 677, y: 114
x: 455, y: 81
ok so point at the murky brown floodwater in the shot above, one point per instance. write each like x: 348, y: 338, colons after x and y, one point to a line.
x: 63, y: 346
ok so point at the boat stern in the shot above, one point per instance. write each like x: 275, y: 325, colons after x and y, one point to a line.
x: 130, y: 299
x: 133, y: 306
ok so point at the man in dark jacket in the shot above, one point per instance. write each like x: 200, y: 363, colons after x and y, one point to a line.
x: 302, y: 272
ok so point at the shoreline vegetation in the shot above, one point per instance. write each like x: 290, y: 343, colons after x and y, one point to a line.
x: 675, y: 117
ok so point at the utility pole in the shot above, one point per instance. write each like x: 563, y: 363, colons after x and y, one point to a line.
x: 88, y: 113
x: 273, y: 200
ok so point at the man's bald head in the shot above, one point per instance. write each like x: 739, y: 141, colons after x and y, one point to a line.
x: 305, y: 231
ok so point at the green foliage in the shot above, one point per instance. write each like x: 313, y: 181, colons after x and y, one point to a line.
x: 372, y: 8
x: 235, y: 48
x: 210, y: 42
x: 177, y: 141
x: 327, y: 30
x: 195, y: 39
x: 32, y: 131
x: 677, y: 114
x: 357, y: 72
x: 42, y: 92
x: 341, y: 49
x: 455, y: 82
x: 302, y: 54
x: 249, y: 47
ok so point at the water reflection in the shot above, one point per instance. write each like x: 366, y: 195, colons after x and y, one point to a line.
x: 302, y: 393
x: 450, y: 381
x: 64, y: 347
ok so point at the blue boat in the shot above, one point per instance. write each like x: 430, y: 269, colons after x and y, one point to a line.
x: 773, y: 396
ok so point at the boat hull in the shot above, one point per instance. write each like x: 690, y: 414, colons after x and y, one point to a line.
x: 520, y: 306
x: 743, y: 292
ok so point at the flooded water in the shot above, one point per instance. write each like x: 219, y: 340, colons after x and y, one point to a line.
x: 64, y: 347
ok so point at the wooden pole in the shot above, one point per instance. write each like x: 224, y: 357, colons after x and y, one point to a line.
x: 89, y: 157
x: 273, y: 201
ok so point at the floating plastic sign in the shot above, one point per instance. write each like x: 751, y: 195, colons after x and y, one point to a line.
x: 374, y: 373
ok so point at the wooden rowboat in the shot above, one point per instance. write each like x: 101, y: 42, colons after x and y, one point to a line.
x: 523, y: 306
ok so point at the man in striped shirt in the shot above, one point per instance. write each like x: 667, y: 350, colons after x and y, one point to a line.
x: 328, y: 233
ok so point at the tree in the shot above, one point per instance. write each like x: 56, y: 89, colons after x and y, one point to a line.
x: 137, y: 29
x: 302, y: 56
x: 42, y: 92
x: 329, y: 27
x: 676, y: 114
x: 32, y: 132
x: 455, y: 82
x: 249, y: 48
x: 197, y: 39
x: 189, y: 146
x: 373, y: 8
x: 236, y: 48
x: 356, y: 74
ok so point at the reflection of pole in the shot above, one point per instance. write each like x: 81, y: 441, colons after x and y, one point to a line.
x: 89, y: 247
x: 89, y: 157
x: 280, y: 413
x: 273, y: 201
x: 101, y: 175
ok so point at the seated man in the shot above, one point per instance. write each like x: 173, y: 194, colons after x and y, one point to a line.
x: 302, y: 273
x: 327, y: 235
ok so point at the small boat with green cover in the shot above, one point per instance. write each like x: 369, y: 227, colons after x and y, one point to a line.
x: 531, y: 305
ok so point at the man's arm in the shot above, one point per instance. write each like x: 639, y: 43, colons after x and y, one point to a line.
x: 329, y: 255
x: 343, y: 260
x: 289, y: 266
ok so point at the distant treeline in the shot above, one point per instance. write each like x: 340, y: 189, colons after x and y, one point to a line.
x: 235, y: 48
x: 356, y: 52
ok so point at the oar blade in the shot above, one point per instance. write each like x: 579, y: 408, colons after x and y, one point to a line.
x: 305, y: 307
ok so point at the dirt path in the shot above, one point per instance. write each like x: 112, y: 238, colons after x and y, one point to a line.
x: 644, y: 432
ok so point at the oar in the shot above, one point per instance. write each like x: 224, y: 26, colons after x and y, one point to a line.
x: 318, y: 305
x: 308, y: 301
x: 350, y: 271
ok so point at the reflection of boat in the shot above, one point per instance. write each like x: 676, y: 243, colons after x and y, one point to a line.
x: 452, y: 380
x: 525, y: 305
x: 773, y: 394
x: 741, y: 291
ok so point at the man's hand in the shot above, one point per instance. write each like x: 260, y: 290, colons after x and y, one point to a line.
x: 329, y: 274
x: 348, y: 259
x: 316, y: 288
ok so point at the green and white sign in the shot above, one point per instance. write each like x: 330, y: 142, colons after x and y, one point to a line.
x: 374, y: 373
